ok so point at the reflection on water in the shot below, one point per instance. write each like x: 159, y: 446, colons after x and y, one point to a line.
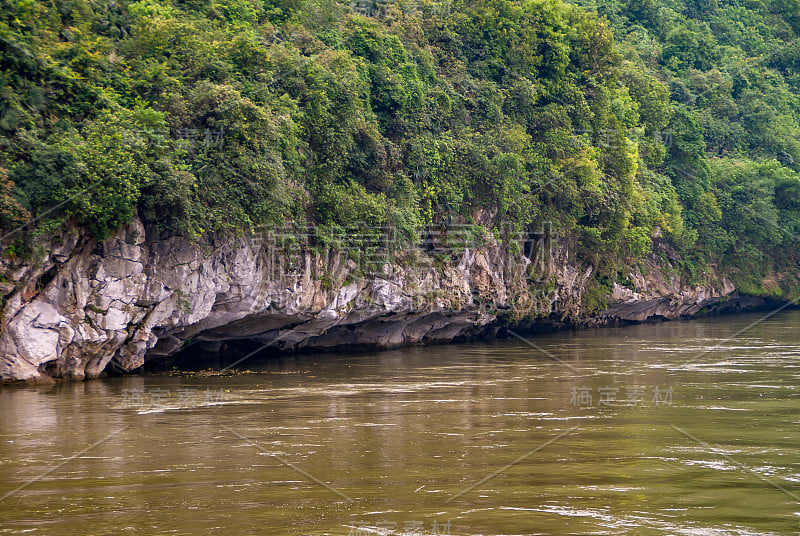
x: 664, y: 429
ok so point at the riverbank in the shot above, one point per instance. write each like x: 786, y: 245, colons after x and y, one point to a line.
x: 80, y: 307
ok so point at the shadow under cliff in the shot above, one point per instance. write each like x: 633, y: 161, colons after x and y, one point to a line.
x: 241, y: 354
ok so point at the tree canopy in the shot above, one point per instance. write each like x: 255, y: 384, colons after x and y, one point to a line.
x: 661, y: 126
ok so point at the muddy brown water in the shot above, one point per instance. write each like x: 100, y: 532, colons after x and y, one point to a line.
x: 646, y: 430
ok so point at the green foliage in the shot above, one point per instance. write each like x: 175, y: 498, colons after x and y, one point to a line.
x: 732, y: 71
x: 12, y: 214
x: 669, y: 120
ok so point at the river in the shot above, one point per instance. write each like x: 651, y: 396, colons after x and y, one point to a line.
x: 656, y: 429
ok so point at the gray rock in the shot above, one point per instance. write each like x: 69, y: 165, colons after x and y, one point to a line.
x: 135, y: 298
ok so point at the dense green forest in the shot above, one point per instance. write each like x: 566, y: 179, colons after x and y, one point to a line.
x: 642, y: 126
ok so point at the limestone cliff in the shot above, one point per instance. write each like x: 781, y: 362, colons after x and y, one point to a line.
x: 79, y: 306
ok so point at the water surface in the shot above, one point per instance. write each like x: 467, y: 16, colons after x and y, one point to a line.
x: 645, y: 430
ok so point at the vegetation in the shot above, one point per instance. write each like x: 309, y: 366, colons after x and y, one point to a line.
x: 636, y: 126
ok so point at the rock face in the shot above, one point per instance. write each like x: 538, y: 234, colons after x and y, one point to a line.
x: 84, y: 306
